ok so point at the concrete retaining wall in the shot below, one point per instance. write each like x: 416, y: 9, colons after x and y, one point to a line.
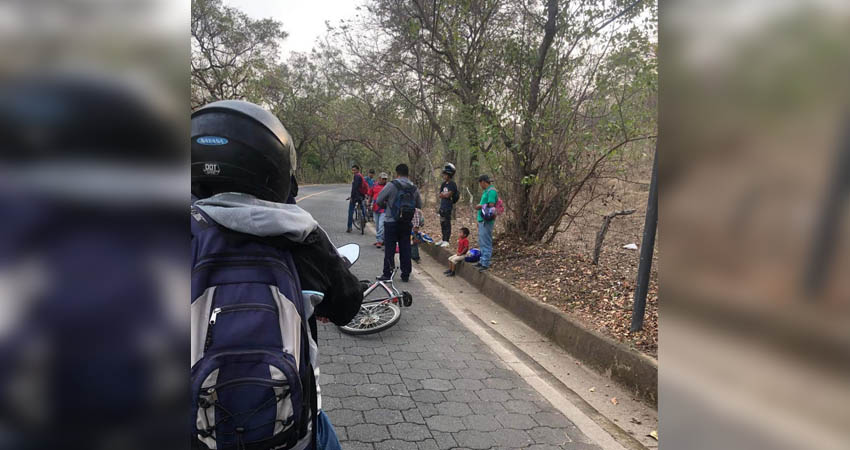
x: 629, y: 368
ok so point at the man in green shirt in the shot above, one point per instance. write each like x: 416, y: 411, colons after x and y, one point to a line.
x: 485, y: 227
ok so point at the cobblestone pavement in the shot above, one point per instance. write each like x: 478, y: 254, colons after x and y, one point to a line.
x: 428, y: 382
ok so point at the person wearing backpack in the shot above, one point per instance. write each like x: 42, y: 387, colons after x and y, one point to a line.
x: 486, y: 220
x: 359, y: 190
x: 263, y: 271
x: 400, y: 198
x: 449, y: 195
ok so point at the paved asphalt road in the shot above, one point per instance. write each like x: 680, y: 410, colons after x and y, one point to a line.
x: 428, y: 382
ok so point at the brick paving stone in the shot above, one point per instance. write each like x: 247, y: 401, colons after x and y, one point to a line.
x: 395, y: 444
x: 493, y: 395
x: 474, y: 439
x: 345, y: 417
x: 373, y: 390
x: 454, y: 364
x: 427, y: 396
x: 354, y: 445
x: 381, y: 360
x: 500, y: 383
x: 414, y: 374
x: 444, y: 441
x: 427, y: 410
x: 469, y: 385
x: 546, y: 435
x: 335, y: 368
x: 548, y: 419
x: 444, y: 374
x: 487, y: 407
x: 424, y: 364
x: 446, y: 424
x: 511, y: 438
x: 338, y: 390
x: 516, y: 421
x: 383, y: 416
x: 399, y: 389
x: 396, y: 402
x: 524, y: 394
x: 479, y: 364
x: 409, y: 432
x: 346, y: 359
x: 358, y: 403
x: 481, y: 423
x: 368, y: 432
x: 360, y: 351
x: 474, y: 374
x: 427, y: 444
x: 456, y: 409
x: 351, y: 379
x: 521, y: 406
x: 413, y: 416
x: 461, y: 396
x: 365, y: 368
x: 385, y: 378
x: 437, y: 385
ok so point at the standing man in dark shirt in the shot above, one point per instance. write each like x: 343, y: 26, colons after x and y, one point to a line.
x: 397, y: 228
x: 449, y: 195
x: 356, y: 196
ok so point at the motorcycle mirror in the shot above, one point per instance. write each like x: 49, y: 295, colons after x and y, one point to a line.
x: 349, y: 252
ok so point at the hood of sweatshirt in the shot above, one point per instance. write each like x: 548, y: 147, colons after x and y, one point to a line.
x: 247, y: 214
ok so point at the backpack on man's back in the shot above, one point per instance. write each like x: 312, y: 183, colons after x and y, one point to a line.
x: 252, y: 379
x: 364, y: 187
x: 404, y: 206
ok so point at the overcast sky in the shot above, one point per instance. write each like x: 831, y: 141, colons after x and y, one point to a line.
x: 303, y: 20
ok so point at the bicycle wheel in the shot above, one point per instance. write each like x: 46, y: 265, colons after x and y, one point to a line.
x: 362, y: 223
x: 357, y: 216
x: 373, y: 318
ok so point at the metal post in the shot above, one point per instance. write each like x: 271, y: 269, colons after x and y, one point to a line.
x: 829, y: 223
x: 647, y: 247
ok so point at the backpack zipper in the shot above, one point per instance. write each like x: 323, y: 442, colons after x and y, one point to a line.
x: 233, y: 308
x: 280, y: 264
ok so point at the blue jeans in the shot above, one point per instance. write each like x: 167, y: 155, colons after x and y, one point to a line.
x: 485, y: 241
x: 379, y: 226
x: 397, y: 233
x: 351, y: 212
x: 326, y: 438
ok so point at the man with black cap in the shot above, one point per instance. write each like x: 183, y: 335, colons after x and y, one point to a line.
x: 486, y: 221
x: 448, y: 195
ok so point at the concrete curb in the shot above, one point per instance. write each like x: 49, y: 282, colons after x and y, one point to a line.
x: 629, y: 368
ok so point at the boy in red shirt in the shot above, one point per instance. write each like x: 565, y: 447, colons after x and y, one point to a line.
x: 462, y: 248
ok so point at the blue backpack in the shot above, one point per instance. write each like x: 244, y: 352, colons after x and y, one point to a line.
x: 404, y: 206
x: 252, y: 380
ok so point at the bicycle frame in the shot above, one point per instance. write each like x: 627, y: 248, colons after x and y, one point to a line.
x: 388, y: 286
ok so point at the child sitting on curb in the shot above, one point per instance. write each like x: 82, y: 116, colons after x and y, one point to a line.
x: 462, y: 249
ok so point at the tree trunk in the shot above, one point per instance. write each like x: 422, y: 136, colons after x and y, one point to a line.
x: 600, y: 236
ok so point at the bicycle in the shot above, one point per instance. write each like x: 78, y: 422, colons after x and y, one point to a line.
x: 380, y: 313
x: 359, y: 218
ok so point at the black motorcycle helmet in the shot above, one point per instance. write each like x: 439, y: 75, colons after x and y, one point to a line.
x: 449, y: 169
x: 238, y: 146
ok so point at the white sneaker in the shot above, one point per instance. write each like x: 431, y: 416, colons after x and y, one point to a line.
x: 444, y: 244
